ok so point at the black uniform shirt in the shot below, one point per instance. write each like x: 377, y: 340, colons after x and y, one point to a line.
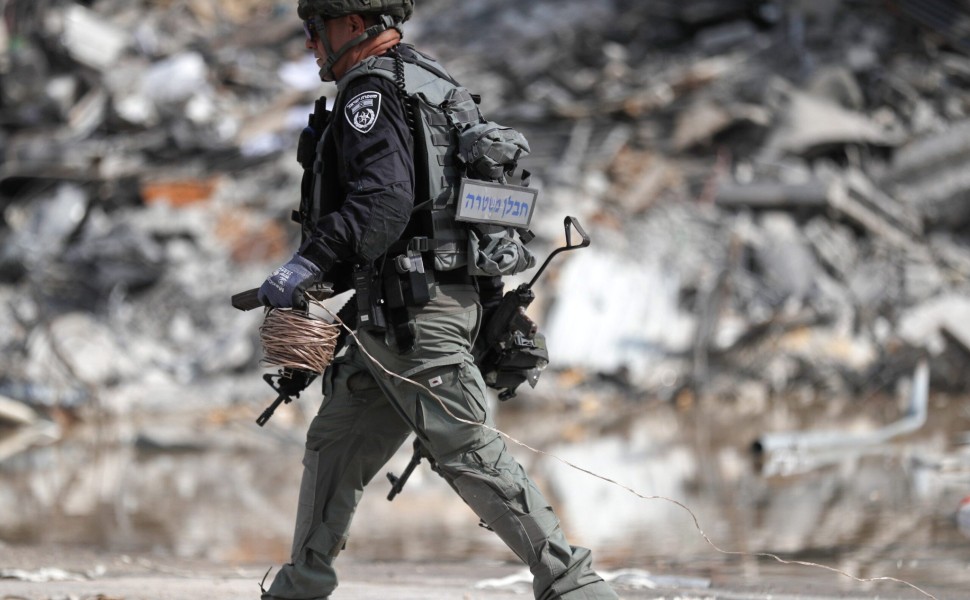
x: 368, y: 187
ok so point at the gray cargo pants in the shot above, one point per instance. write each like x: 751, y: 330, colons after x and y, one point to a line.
x: 365, y: 417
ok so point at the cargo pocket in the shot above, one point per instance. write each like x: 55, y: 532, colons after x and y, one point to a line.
x: 488, y: 498
x: 362, y: 384
x: 344, y: 377
x: 305, y: 507
x: 456, y: 387
x: 473, y: 390
x: 329, y: 377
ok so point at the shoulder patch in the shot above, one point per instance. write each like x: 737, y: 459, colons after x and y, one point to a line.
x: 362, y: 111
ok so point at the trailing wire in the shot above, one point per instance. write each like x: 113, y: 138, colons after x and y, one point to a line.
x: 679, y: 504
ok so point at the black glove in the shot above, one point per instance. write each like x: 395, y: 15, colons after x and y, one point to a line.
x: 285, y: 287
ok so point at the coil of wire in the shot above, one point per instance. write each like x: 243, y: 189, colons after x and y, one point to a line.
x: 297, y: 340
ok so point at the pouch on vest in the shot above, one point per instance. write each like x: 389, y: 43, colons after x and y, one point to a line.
x: 493, y: 250
x: 435, y: 150
x: 491, y: 151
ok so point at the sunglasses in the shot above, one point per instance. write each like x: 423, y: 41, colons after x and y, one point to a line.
x: 312, y: 28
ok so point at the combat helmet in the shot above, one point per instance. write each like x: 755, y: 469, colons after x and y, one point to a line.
x: 399, y: 10
x: 391, y: 12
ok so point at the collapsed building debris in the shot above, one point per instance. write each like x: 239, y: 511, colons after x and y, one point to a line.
x: 758, y: 174
x: 776, y: 192
x: 943, y: 17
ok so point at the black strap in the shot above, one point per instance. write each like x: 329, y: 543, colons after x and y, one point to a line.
x: 422, y: 244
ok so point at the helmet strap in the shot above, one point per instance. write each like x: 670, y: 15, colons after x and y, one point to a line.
x: 326, y: 71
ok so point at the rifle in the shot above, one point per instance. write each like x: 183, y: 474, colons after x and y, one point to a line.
x: 397, y: 483
x: 510, y: 349
x: 249, y: 299
x: 288, y: 384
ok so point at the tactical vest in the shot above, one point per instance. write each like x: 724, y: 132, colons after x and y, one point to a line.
x: 452, y: 142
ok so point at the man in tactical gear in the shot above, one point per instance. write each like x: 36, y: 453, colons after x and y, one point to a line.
x: 359, y: 215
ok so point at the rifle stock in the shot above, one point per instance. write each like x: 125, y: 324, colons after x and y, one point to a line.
x: 397, y: 483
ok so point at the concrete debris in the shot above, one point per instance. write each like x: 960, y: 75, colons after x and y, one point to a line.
x: 931, y: 323
x: 15, y: 413
x: 89, y: 39
x: 943, y: 17
x: 930, y: 175
x: 800, y: 197
x: 808, y: 124
x: 21, y: 428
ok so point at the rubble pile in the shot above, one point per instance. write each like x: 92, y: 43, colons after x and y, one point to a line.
x: 142, y: 182
x: 777, y: 191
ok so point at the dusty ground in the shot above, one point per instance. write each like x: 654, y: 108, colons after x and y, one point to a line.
x: 84, y: 575
x: 888, y: 514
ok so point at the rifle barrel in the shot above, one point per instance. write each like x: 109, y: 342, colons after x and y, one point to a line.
x: 261, y: 420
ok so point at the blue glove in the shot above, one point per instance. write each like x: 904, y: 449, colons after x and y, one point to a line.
x: 285, y: 287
